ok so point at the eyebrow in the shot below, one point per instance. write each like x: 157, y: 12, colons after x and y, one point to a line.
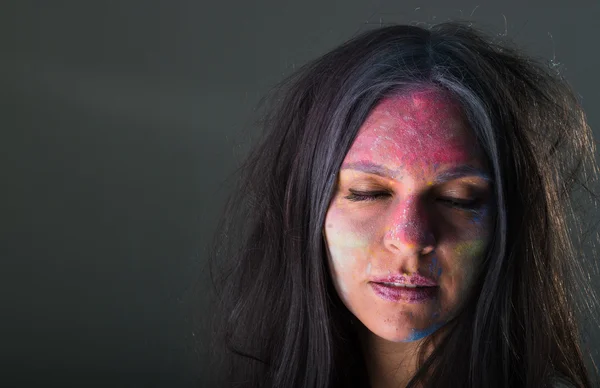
x: 447, y: 175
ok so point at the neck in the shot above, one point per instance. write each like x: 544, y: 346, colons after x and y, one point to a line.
x: 389, y: 364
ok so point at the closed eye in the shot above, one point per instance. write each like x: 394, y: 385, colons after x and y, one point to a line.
x: 358, y: 196
x: 452, y: 202
x: 460, y: 203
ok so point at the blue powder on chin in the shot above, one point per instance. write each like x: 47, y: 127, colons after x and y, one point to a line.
x: 419, y: 334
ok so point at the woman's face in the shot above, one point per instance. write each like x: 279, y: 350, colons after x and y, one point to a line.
x: 411, y: 217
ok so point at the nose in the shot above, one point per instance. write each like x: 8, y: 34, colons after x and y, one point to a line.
x: 408, y: 230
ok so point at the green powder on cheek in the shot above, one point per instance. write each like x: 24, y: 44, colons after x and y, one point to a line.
x: 469, y: 248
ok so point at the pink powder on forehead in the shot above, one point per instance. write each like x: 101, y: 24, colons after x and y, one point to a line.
x: 420, y: 127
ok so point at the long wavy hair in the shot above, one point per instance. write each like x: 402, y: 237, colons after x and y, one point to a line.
x: 280, y: 322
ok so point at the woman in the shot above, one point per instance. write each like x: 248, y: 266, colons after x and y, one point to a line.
x: 404, y: 222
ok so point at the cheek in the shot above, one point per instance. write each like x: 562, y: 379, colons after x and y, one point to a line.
x: 460, y: 258
x: 349, y: 245
x: 467, y: 246
x: 463, y: 259
x: 470, y: 251
x: 468, y: 255
x: 346, y: 233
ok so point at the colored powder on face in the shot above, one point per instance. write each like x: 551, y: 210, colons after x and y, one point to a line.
x: 479, y: 215
x: 347, y: 240
x: 422, y: 127
x: 409, y: 226
x: 469, y: 248
x: 420, y: 334
x: 435, y: 268
x: 419, y: 132
x: 406, y: 137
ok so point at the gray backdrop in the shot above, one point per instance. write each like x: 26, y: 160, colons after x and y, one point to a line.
x: 121, y: 120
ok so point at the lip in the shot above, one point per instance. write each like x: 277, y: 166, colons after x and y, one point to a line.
x: 413, y: 280
x: 419, y: 294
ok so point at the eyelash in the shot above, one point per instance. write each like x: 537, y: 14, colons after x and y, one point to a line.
x: 357, y: 196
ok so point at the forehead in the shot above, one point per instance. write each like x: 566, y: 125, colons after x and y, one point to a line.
x: 418, y: 128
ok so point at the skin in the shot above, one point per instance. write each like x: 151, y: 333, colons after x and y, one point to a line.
x: 412, y: 197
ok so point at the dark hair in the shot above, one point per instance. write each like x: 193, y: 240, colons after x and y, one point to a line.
x: 281, y: 323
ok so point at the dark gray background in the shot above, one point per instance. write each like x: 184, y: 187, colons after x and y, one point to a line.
x: 121, y: 120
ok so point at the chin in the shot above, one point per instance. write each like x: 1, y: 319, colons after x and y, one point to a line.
x: 406, y: 334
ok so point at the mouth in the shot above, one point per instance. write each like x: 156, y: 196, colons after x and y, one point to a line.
x: 400, y: 280
x: 399, y: 285
x: 405, y: 289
